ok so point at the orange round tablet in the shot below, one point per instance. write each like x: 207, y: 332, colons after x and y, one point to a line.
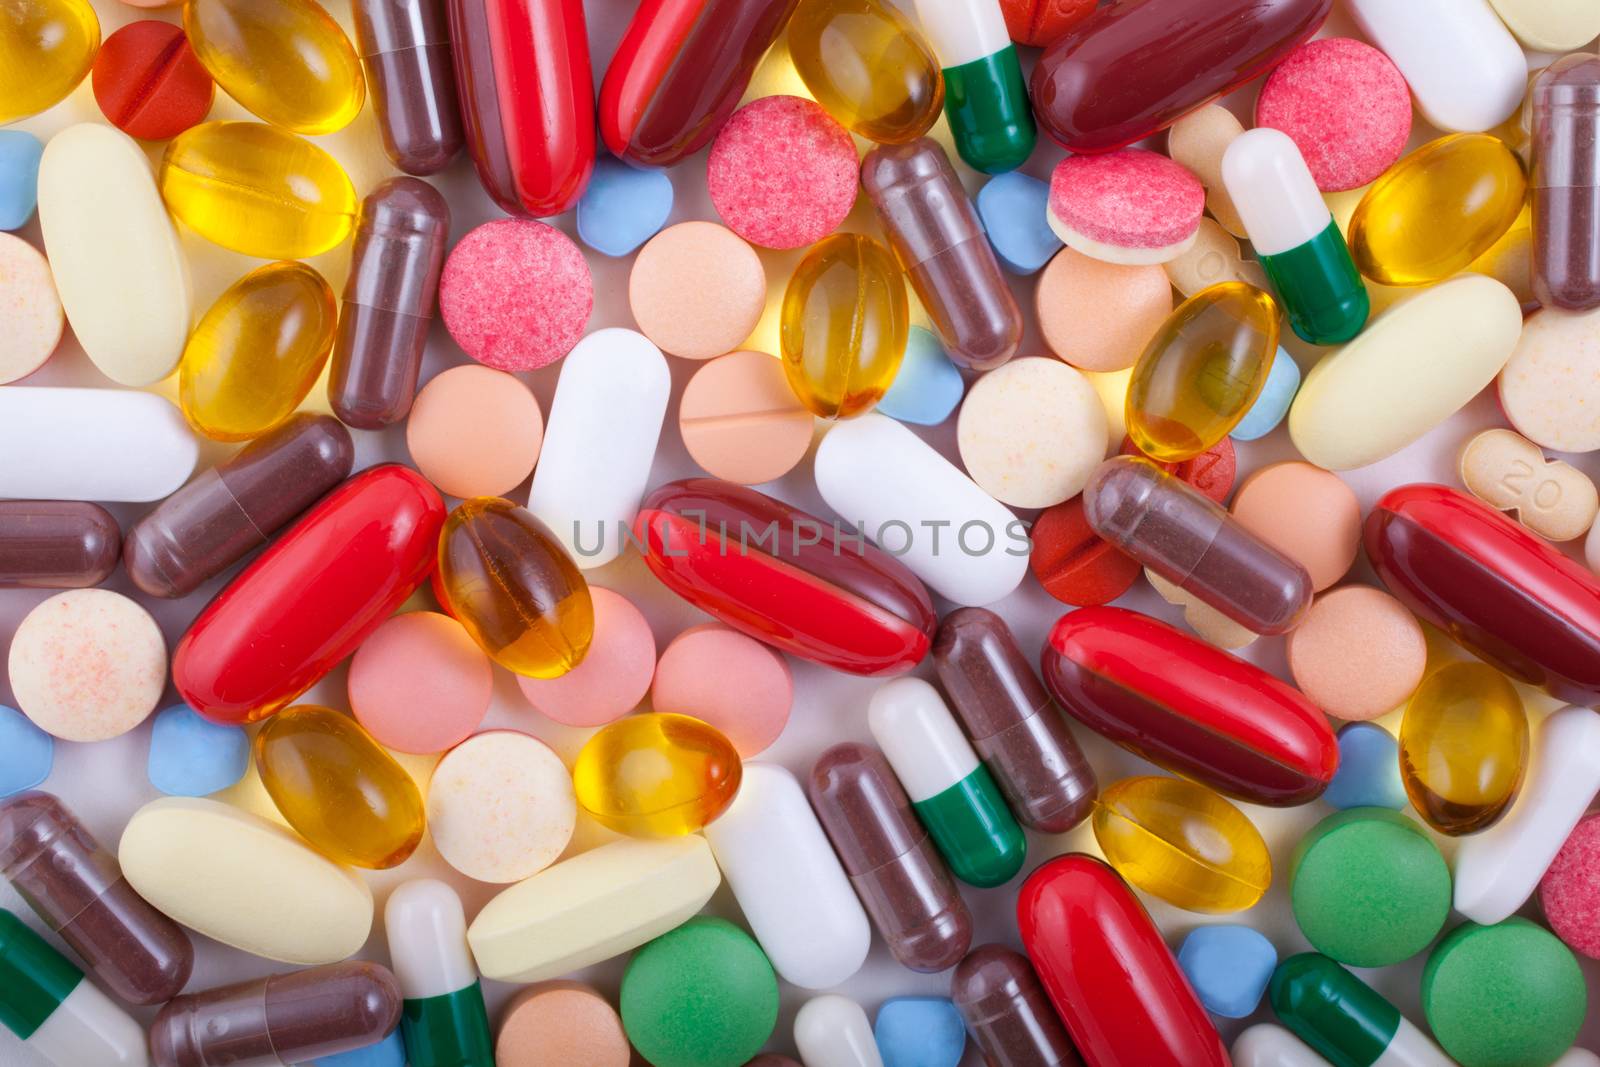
x: 1097, y: 315
x: 475, y: 431
x: 697, y: 290
x: 560, y: 1024
x: 741, y: 421
x: 1359, y: 653
x: 1306, y: 513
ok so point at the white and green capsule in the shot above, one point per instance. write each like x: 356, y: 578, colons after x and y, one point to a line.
x: 443, y: 1020
x: 985, y: 98
x: 57, y: 1012
x: 1345, y: 1020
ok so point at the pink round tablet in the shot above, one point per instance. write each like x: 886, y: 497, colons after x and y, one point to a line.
x: 420, y: 683
x: 731, y: 681
x: 782, y: 173
x: 561, y: 1024
x: 697, y: 290
x: 613, y: 677
x: 29, y: 308
x: 516, y: 294
x: 1358, y: 654
x: 1346, y: 106
x: 1570, y: 889
x: 501, y: 806
x: 1129, y: 206
x: 474, y: 431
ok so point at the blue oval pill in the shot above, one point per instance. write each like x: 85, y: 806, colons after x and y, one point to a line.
x: 26, y: 752
x: 623, y: 207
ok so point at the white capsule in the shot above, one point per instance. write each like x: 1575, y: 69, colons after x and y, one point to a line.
x: 1270, y: 1045
x: 833, y: 1031
x: 963, y: 31
x: 1577, y: 1057
x: 428, y: 940
x: 87, y: 1028
x: 92, y: 444
x: 1278, y: 200
x: 919, y: 737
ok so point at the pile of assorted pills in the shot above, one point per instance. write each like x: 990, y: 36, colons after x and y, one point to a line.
x: 770, y: 515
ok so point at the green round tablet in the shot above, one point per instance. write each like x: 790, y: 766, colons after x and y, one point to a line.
x: 702, y: 995
x: 1369, y: 887
x: 1503, y: 995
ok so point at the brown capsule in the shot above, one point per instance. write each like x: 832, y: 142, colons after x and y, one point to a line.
x: 57, y: 544
x: 1007, y: 1011
x: 405, y: 48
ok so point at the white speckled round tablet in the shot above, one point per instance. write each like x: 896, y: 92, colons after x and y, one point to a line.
x: 1550, y: 387
x: 29, y: 307
x: 501, y: 806
x: 87, y: 665
x: 1031, y: 432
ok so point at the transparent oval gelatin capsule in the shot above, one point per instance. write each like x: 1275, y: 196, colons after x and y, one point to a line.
x: 1463, y: 747
x: 656, y: 775
x: 868, y: 66
x: 46, y: 49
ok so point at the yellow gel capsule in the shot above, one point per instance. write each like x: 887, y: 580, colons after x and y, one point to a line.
x: 1182, y: 842
x: 1437, y: 210
x: 506, y: 578
x: 46, y: 49
x: 1463, y: 747
x: 657, y: 775
x: 258, y: 190
x: 338, y: 788
x: 286, y: 61
x: 843, y: 327
x: 1202, y: 370
x: 868, y: 67
x: 257, y: 352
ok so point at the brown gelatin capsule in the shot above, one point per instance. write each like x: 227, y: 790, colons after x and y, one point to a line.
x: 405, y: 48
x: 1566, y: 183
x: 57, y: 544
x: 214, y: 521
x: 77, y: 888
x: 1007, y: 1011
x: 388, y: 303
x: 282, y: 1018
x: 1019, y: 733
x: 904, y: 885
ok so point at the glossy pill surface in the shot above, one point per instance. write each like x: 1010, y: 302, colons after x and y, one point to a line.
x: 656, y: 775
x: 1566, y: 183
x: 287, y: 62
x: 258, y: 190
x: 507, y: 579
x: 1007, y: 1011
x: 1437, y: 210
x: 62, y: 1018
x: 405, y: 51
x: 868, y: 66
x: 56, y: 544
x: 1183, y: 843
x: 1463, y: 747
x: 46, y: 49
x: 257, y: 352
x: 843, y: 327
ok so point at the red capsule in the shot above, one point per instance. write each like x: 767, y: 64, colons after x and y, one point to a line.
x: 1490, y: 583
x: 1190, y: 707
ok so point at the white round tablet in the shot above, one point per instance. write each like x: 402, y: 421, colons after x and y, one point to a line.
x: 501, y: 806
x: 1031, y: 432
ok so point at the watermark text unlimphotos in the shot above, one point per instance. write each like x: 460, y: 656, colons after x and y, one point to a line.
x: 926, y: 537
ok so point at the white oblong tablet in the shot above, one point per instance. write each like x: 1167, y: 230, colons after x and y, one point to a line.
x: 1412, y: 367
x: 1497, y: 870
x: 919, y: 737
x: 914, y: 504
x: 592, y: 907
x: 833, y: 1031
x: 1465, y: 69
x: 118, y: 267
x: 600, y: 441
x: 788, y: 882
x: 244, y: 881
x: 92, y: 444
x: 1270, y: 1045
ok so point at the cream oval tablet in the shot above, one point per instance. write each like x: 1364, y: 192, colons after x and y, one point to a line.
x: 1550, y: 497
x: 1551, y: 25
x: 92, y: 444
x: 118, y: 267
x: 244, y: 881
x: 1031, y: 432
x: 1412, y: 367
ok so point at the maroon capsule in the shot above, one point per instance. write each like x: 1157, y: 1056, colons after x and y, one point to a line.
x: 772, y: 1059
x: 214, y: 521
x: 405, y: 48
x: 77, y: 888
x: 283, y: 1018
x: 57, y: 544
x: 1007, y: 1011
x: 388, y: 303
x: 1566, y: 183
x: 904, y: 885
x: 1019, y: 733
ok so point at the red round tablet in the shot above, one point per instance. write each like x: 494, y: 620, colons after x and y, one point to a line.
x: 149, y: 83
x: 1040, y: 22
x: 782, y: 173
x: 1212, y: 471
x: 1073, y: 563
x: 516, y: 294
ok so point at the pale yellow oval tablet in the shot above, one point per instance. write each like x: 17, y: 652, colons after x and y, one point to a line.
x: 1550, y: 387
x: 1212, y: 625
x: 1214, y: 257
x: 1551, y: 25
x: 244, y: 881
x: 1550, y: 497
x: 1031, y: 432
x: 1412, y: 367
x: 1197, y: 141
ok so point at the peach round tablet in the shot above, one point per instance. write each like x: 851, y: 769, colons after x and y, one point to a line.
x: 87, y: 665
x: 1128, y: 206
x: 740, y: 420
x: 474, y: 431
x: 697, y: 290
x: 613, y: 677
x: 29, y: 308
x: 1359, y: 653
x: 1031, y: 432
x: 501, y: 806
x: 516, y: 294
x: 734, y: 682
x: 782, y: 173
x: 1098, y: 316
x: 1305, y: 512
x: 420, y: 683
x: 1550, y: 387
x: 561, y: 1024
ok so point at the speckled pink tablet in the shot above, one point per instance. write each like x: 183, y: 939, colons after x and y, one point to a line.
x: 1129, y: 206
x: 731, y: 681
x: 474, y: 431
x: 1358, y: 654
x: 1570, y: 889
x: 516, y: 294
x: 501, y: 806
x: 782, y: 173
x: 1346, y: 106
x: 697, y: 290
x: 29, y: 308
x: 420, y: 683
x: 561, y: 1024
x: 88, y: 665
x: 613, y: 677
